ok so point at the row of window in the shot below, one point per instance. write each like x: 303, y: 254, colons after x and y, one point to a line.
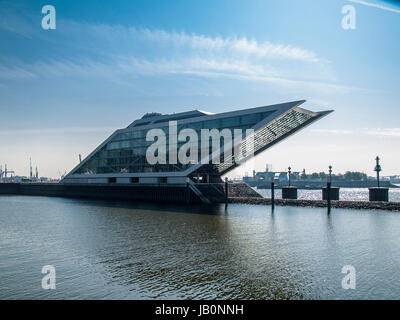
x: 131, y: 180
x: 134, y: 159
x: 237, y: 122
x: 277, y: 129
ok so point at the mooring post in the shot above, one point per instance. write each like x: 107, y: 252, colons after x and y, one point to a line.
x: 187, y: 194
x: 272, y: 194
x: 378, y: 194
x: 226, y: 191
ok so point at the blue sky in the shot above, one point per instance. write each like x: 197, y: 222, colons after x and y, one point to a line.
x: 63, y: 91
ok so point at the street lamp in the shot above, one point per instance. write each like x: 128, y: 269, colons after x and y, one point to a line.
x: 377, y: 169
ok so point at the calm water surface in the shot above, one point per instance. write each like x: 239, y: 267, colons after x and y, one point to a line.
x: 119, y: 250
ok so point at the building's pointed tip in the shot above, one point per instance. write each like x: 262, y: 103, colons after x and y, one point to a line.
x: 325, y: 112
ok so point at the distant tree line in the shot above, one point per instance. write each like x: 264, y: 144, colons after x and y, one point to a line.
x: 348, y: 176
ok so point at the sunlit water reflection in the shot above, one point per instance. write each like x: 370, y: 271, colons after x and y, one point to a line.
x: 120, y: 250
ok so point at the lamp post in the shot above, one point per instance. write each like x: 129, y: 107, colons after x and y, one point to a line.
x: 289, y: 192
x: 377, y: 169
x: 226, y: 192
x: 378, y: 194
x: 272, y: 193
x: 328, y: 189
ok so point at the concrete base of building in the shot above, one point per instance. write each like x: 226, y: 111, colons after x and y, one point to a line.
x: 334, y: 194
x: 289, y: 192
x: 379, y: 194
x: 9, y: 188
x: 154, y: 193
x: 176, y: 193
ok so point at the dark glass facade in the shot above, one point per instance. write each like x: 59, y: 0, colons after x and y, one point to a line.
x: 126, y: 151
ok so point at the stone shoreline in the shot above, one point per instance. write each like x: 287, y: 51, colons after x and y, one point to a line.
x: 358, y: 205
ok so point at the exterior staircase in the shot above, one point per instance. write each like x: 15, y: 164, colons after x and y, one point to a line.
x: 215, y: 192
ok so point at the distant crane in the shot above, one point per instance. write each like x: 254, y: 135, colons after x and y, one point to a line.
x: 30, y: 167
x: 5, y: 172
x: 62, y: 175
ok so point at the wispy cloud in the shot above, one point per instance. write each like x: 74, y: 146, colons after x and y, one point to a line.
x: 378, y: 132
x: 55, y: 131
x: 216, y: 44
x: 16, y: 73
x: 123, y: 69
x: 121, y: 54
x: 333, y: 131
x: 385, y: 132
x: 375, y: 5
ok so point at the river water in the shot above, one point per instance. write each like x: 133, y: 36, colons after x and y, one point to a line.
x: 120, y: 250
x: 358, y: 194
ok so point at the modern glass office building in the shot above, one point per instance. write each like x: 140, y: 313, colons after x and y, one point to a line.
x: 121, y: 159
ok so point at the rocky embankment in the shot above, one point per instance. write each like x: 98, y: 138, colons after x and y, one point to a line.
x: 242, y: 190
x: 320, y: 184
x: 368, y: 205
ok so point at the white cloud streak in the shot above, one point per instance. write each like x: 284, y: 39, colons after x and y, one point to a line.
x: 55, y: 131
x: 197, y: 42
x: 122, y: 54
x: 233, y: 45
x: 383, y: 132
x: 122, y: 69
x: 333, y: 131
x: 377, y: 132
x: 375, y: 5
x: 16, y: 73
